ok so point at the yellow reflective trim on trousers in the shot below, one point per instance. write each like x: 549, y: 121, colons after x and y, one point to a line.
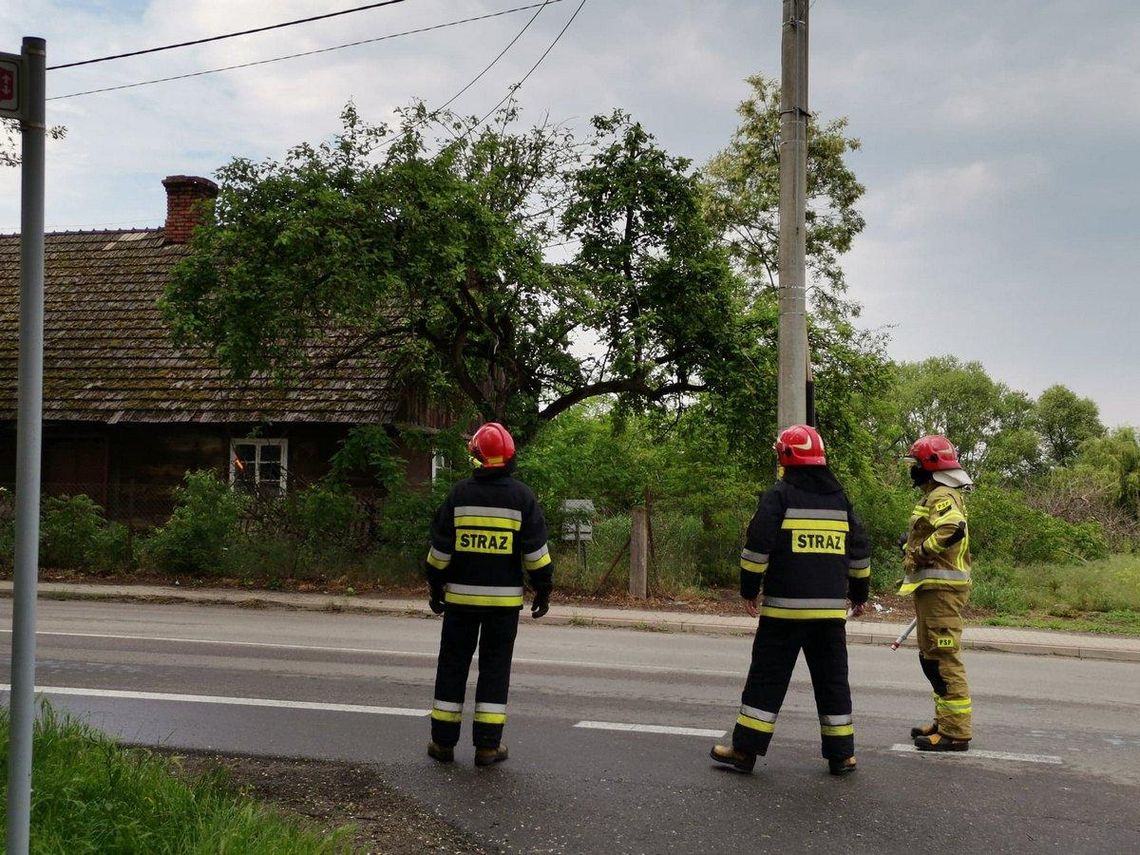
x: 539, y: 564
x: 803, y: 614
x: 752, y: 566
x: 446, y: 715
x: 491, y: 718
x: 837, y: 729
x: 817, y: 525
x: 859, y: 572
x: 480, y: 600
x: 755, y: 723
x: 963, y: 704
x: 488, y: 522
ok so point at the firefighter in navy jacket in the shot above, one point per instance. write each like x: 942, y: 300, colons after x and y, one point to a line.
x: 488, y: 530
x: 808, y: 551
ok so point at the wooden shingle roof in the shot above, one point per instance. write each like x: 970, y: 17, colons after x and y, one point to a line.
x: 108, y: 356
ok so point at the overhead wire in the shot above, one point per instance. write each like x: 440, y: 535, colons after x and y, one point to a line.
x: 219, y: 38
x: 434, y: 113
x: 515, y: 87
x: 415, y: 31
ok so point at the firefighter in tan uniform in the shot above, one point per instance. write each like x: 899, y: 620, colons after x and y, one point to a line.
x: 937, y: 567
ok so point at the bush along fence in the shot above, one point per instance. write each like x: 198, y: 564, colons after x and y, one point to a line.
x: 327, y: 530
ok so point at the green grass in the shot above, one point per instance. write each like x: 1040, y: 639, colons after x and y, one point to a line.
x: 90, y: 795
x: 1107, y: 623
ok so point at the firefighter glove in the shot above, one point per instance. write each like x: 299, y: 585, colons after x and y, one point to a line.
x: 540, y: 605
x: 901, y: 543
x: 435, y: 603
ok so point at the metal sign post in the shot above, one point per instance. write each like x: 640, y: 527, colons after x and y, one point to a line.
x: 22, y: 85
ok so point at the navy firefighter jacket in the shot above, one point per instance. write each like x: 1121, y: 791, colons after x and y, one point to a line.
x: 484, y: 534
x: 807, y: 548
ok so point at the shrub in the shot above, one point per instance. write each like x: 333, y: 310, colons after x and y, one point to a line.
x: 205, y: 522
x: 74, y: 535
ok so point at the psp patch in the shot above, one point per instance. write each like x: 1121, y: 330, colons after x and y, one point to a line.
x: 828, y: 542
x: 945, y: 641
x: 488, y: 542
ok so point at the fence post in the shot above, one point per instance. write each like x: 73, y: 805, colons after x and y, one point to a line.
x: 638, y: 553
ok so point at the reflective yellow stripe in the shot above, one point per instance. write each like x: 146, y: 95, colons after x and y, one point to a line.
x: 951, y: 518
x: 446, y: 715
x: 491, y: 717
x: 539, y: 564
x: 435, y: 562
x: 480, y: 600
x: 817, y: 525
x: 803, y: 614
x: 931, y: 544
x: 920, y: 511
x: 837, y: 729
x: 488, y: 522
x: 752, y: 566
x: 755, y: 723
x: 962, y: 705
x: 859, y: 572
x: 911, y: 587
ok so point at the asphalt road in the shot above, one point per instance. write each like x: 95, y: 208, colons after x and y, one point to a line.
x: 1064, y: 774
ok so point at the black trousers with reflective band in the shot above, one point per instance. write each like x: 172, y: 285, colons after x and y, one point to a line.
x: 774, y: 652
x: 493, y: 631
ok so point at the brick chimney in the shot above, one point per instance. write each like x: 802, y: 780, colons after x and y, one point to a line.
x: 185, y: 195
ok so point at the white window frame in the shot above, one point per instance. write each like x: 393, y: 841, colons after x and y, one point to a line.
x: 438, y: 462
x: 282, y: 443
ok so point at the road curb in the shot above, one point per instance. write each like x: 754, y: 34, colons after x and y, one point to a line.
x: 1065, y: 645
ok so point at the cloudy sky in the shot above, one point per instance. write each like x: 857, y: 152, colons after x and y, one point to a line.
x: 999, y: 138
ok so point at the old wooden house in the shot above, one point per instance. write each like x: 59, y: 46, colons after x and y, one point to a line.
x: 126, y: 414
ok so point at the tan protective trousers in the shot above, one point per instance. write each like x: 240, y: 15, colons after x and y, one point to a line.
x: 939, y: 630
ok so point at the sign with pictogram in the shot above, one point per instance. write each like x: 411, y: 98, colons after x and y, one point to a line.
x: 10, y: 101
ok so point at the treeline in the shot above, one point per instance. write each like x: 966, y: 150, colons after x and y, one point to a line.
x: 1053, y: 485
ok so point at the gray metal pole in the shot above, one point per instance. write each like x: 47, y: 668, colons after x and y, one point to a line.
x: 28, y: 440
x: 793, y: 352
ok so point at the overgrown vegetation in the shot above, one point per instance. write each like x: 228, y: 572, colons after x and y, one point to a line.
x: 617, y: 307
x: 91, y: 795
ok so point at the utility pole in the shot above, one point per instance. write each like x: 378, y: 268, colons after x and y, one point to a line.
x: 794, y: 370
x: 25, y: 82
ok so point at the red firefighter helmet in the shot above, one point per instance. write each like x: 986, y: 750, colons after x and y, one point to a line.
x: 934, y: 453
x: 800, y: 445
x: 492, y: 446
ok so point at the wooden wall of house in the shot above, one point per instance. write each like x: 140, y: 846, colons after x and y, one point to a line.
x: 132, y: 470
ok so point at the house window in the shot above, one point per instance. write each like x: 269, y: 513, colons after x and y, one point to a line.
x: 438, y: 464
x: 259, y: 465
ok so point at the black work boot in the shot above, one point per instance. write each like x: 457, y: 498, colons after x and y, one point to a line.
x: 441, y: 753
x: 924, y: 730
x: 841, y: 765
x: 941, y: 742
x: 741, y: 761
x: 490, y: 756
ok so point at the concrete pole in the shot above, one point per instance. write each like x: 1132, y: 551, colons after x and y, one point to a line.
x: 639, y: 553
x: 793, y: 351
x: 29, y: 422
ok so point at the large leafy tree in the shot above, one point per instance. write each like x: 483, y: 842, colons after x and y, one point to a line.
x: 741, y: 187
x: 992, y: 425
x: 1065, y: 421
x: 432, y: 257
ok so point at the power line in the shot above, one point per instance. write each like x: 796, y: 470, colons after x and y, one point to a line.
x: 392, y: 141
x: 302, y: 54
x: 227, y: 35
x: 491, y: 64
x: 518, y: 85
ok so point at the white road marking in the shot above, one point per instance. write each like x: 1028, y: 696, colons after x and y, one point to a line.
x: 600, y: 666
x: 649, y: 728
x: 225, y: 701
x: 988, y: 755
